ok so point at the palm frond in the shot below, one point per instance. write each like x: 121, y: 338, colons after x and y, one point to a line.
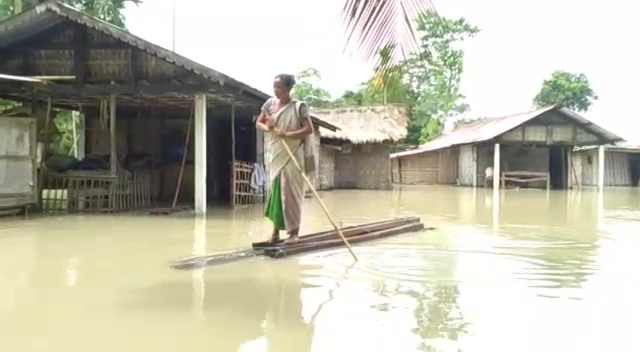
x: 374, y: 24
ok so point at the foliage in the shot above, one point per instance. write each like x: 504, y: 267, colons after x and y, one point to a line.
x: 570, y: 90
x: 428, y: 82
x: 64, y: 141
x: 375, y: 24
x: 107, y: 10
x: 306, y: 89
x: 434, y: 73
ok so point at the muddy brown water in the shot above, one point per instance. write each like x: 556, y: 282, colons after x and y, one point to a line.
x: 551, y: 271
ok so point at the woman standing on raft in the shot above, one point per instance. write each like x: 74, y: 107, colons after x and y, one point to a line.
x: 286, y: 120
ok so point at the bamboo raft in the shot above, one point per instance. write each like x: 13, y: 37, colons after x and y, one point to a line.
x: 308, y: 243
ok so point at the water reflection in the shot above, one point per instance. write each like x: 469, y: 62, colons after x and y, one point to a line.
x: 438, y: 317
x: 551, y: 261
x: 559, y: 245
x: 199, y: 248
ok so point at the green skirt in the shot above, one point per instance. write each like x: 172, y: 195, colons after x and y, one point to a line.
x: 275, y: 210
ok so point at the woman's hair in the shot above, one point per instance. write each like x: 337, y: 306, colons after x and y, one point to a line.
x: 288, y: 80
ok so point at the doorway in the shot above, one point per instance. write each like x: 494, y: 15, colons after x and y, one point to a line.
x: 634, y: 168
x: 557, y: 167
x: 220, y: 153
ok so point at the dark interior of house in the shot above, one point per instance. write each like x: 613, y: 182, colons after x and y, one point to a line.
x: 634, y: 166
x: 558, y: 167
x: 219, y: 153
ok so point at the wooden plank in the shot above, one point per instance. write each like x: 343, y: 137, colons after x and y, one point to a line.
x: 259, y: 247
x: 285, y: 251
x: 388, y: 222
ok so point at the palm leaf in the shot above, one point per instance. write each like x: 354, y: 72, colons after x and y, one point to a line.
x: 375, y: 24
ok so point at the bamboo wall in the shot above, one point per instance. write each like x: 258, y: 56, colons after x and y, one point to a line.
x: 467, y: 165
x: 617, y: 171
x: 365, y: 167
x: 327, y: 169
x: 395, y: 171
x: 436, y: 167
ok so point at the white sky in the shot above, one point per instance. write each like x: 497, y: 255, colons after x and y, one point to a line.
x: 521, y: 43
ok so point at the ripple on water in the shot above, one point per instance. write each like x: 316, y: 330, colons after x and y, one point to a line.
x: 408, y: 263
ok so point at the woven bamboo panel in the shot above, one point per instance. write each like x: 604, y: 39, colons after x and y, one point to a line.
x: 242, y: 192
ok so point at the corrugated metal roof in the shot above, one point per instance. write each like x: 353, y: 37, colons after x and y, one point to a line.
x: 618, y: 147
x: 491, y: 128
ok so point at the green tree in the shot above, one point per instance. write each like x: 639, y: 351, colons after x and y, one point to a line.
x: 571, y: 90
x: 107, y: 10
x: 384, y: 87
x: 306, y: 89
x: 434, y: 73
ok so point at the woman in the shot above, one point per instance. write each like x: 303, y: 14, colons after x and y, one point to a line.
x: 285, y: 119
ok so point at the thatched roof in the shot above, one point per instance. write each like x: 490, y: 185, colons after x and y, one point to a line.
x: 366, y: 124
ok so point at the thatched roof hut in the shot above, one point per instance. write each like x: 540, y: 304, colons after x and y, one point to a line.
x: 366, y: 124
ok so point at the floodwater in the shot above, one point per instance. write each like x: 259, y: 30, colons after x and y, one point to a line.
x: 549, y: 271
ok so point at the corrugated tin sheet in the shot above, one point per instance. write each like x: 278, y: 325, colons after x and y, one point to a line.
x: 488, y: 129
x: 622, y: 147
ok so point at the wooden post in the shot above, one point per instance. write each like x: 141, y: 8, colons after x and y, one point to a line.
x: 496, y: 167
x: 17, y: 6
x: 46, y: 142
x: 233, y: 156
x: 112, y: 136
x: 474, y: 163
x: 601, y: 159
x: 200, y: 132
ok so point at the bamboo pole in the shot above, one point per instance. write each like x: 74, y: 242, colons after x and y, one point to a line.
x: 233, y: 156
x: 113, y: 151
x: 315, y: 193
x: 183, y: 164
x: 43, y: 153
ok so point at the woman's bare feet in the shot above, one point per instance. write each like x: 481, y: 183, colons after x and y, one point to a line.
x: 293, y: 238
x: 275, y: 236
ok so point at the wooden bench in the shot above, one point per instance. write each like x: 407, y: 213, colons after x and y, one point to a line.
x: 525, y: 177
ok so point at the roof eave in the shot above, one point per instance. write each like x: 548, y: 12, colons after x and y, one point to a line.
x: 66, y: 12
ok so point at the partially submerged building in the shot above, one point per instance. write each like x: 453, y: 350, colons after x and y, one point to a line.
x: 159, y: 127
x: 357, y: 155
x: 532, y: 149
x: 621, y: 165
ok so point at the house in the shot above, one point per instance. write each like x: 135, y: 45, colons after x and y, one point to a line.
x: 530, y: 149
x: 159, y: 128
x: 357, y: 155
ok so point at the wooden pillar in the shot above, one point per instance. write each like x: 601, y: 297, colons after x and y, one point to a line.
x: 474, y: 163
x: 601, y: 159
x: 233, y: 157
x: 113, y: 155
x: 200, y: 161
x: 496, y: 167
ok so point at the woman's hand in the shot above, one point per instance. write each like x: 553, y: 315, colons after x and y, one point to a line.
x: 279, y: 133
x: 270, y: 122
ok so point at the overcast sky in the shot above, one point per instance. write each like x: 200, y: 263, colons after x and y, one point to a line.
x: 521, y: 43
